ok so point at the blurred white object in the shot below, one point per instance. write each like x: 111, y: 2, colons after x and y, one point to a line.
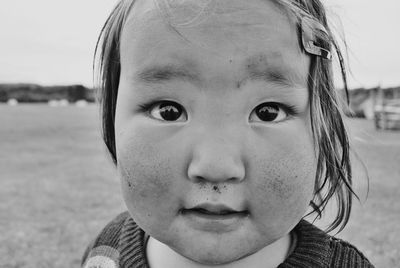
x: 63, y: 102
x: 12, y: 102
x: 53, y: 103
x: 81, y: 103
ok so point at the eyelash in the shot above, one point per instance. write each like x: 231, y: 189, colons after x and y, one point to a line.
x: 290, y: 110
x: 147, y: 108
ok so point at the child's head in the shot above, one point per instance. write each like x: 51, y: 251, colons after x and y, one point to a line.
x: 222, y: 108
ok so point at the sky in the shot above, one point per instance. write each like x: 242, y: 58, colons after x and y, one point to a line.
x: 51, y: 42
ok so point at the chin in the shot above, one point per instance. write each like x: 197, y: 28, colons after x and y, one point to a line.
x: 220, y: 255
x: 215, y: 258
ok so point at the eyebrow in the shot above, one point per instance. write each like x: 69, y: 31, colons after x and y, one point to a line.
x: 164, y: 73
x: 160, y: 74
x: 274, y: 75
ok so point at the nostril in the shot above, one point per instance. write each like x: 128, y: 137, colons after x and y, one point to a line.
x: 234, y: 179
x: 199, y: 179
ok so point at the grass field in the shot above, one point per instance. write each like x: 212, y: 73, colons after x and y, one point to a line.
x: 58, y: 188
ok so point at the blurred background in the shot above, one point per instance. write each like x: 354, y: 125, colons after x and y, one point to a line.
x: 58, y: 187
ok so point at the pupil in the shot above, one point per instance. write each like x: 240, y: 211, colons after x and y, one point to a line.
x: 268, y: 112
x: 170, y: 112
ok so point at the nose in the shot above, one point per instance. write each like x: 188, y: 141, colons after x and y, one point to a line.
x: 216, y: 161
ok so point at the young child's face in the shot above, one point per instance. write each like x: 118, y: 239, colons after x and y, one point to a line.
x: 213, y: 135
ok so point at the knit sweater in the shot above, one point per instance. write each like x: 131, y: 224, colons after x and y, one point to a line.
x: 121, y: 244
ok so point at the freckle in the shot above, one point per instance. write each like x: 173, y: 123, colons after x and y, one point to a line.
x: 230, y: 61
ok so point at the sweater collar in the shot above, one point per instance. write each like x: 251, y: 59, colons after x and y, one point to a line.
x: 312, y: 249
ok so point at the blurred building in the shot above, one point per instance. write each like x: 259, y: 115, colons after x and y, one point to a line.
x: 363, y: 101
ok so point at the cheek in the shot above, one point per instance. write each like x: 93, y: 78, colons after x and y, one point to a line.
x: 290, y: 175
x: 284, y: 180
x: 146, y: 180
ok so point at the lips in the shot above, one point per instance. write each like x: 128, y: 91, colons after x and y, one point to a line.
x: 220, y: 212
x: 215, y: 218
x: 214, y: 210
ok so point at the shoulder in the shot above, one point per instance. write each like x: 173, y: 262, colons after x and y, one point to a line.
x: 315, y: 248
x: 105, y: 250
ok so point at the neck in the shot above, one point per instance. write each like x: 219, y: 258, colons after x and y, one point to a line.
x: 160, y: 255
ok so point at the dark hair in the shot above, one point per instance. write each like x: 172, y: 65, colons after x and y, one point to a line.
x: 333, y: 176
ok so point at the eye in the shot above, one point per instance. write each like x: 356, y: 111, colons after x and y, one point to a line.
x: 270, y: 112
x: 168, y: 111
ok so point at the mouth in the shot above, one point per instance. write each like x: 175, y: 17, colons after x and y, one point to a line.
x: 214, y: 212
x: 214, y: 218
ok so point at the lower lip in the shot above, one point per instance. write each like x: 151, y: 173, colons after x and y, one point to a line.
x: 214, y: 222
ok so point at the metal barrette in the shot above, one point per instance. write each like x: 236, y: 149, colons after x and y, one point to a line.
x: 315, y: 39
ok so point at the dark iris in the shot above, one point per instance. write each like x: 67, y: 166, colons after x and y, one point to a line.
x: 170, y: 111
x: 267, y: 112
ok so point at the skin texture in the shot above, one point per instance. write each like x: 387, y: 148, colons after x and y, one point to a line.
x: 219, y: 151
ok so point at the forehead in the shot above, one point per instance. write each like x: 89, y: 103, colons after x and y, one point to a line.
x: 207, y: 31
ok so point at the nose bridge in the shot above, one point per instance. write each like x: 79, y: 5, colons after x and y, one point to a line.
x: 217, y: 157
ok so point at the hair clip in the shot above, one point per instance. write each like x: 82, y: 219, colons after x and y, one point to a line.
x: 315, y: 39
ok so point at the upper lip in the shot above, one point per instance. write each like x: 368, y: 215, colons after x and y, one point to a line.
x: 215, y: 208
